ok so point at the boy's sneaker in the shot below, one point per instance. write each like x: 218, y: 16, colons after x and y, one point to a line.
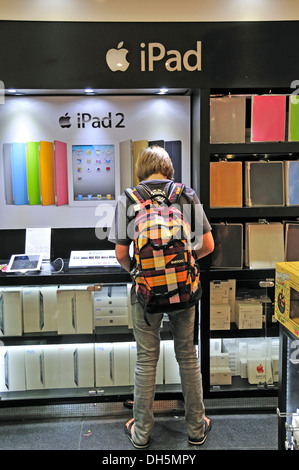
x: 207, y: 429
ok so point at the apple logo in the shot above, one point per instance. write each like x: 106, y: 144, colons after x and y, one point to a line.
x: 64, y: 121
x: 260, y: 369
x: 116, y: 58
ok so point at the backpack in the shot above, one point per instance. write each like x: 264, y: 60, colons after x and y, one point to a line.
x: 166, y: 275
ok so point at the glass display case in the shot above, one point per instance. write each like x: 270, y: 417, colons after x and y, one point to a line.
x: 72, y: 341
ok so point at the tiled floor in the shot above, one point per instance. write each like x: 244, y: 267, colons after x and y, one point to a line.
x: 229, y: 432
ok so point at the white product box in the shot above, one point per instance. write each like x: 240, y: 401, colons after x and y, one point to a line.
x: 220, y: 376
x: 66, y: 321
x: 219, y: 292
x: 275, y: 368
x: 232, y: 298
x: 232, y: 347
x: 103, y: 365
x: 221, y: 359
x: 84, y: 312
x: 171, y: 367
x: 110, y: 306
x: 243, y: 368
x: 220, y: 317
x: 116, y: 296
x: 11, y: 321
x: 215, y: 346
x: 51, y: 366
x: 121, y: 364
x: 3, y: 387
x: 32, y: 310
x: 76, y: 365
x: 112, y: 320
x: 249, y: 314
x: 49, y: 307
x: 256, y: 369
x: 34, y: 368
x: 111, y: 312
x: 75, y: 310
x: 14, y: 369
x: 231, y: 289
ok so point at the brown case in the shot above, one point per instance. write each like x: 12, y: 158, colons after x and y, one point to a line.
x: 227, y: 119
x: 226, y: 184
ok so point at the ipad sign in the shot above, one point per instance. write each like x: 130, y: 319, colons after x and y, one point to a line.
x: 153, y: 53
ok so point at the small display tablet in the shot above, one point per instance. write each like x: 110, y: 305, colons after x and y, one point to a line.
x: 23, y: 263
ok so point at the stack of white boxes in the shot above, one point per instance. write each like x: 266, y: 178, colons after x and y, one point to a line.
x: 220, y: 372
x: 79, y: 365
x: 254, y: 359
x: 67, y: 309
x: 111, y: 306
x: 222, y: 304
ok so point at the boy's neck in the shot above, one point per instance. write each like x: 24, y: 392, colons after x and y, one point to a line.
x: 156, y: 176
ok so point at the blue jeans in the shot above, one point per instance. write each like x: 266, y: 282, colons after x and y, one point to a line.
x: 148, y: 350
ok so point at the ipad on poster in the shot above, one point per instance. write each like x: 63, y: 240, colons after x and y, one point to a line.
x: 23, y: 262
x: 93, y: 174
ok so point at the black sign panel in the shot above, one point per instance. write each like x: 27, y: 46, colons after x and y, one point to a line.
x: 74, y: 55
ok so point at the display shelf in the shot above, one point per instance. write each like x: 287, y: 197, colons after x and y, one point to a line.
x: 248, y: 148
x: 84, y: 395
x: 62, y: 366
x: 101, y: 335
x: 235, y: 152
x: 67, y: 276
x: 247, y: 213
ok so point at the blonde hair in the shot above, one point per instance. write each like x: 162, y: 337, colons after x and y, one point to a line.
x: 151, y: 160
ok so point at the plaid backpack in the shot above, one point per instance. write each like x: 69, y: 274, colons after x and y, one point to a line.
x: 165, y: 274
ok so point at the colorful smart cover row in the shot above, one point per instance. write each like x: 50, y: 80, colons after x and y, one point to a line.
x: 36, y: 173
x: 229, y: 117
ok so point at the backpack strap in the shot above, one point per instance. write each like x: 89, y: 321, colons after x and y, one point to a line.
x: 134, y: 196
x: 175, y: 191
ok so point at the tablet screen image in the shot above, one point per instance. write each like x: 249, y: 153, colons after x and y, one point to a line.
x: 23, y: 263
x: 93, y: 173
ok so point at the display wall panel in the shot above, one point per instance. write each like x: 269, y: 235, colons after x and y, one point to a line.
x: 64, y: 121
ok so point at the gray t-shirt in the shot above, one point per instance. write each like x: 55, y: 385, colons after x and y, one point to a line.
x: 122, y: 230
